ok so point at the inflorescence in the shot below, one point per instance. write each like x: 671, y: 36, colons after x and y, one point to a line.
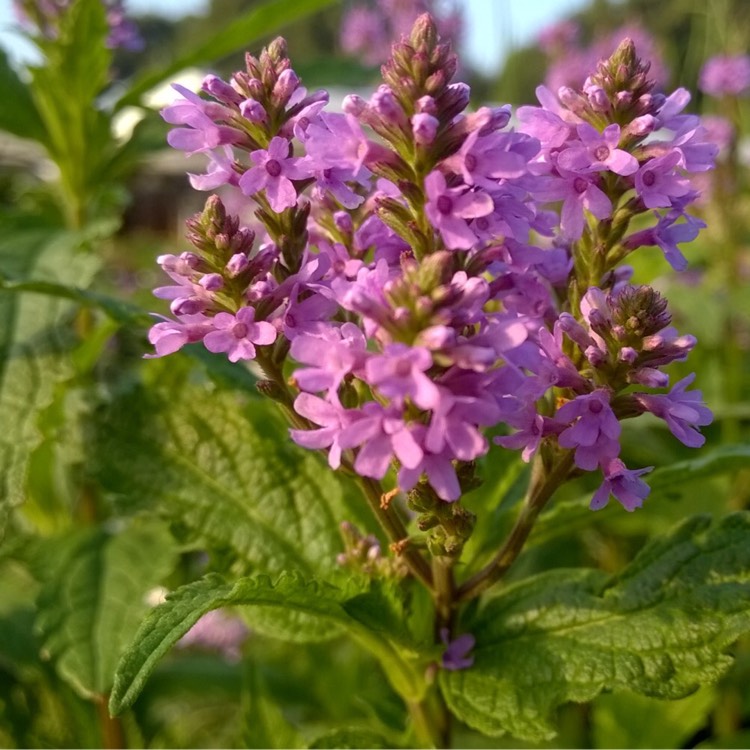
x: 391, y: 286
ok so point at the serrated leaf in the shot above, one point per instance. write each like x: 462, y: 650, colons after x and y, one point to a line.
x: 291, y: 596
x: 263, y: 20
x: 94, y: 598
x: 660, y: 628
x: 227, y: 472
x: 35, y: 335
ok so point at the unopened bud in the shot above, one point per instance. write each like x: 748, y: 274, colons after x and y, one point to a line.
x: 424, y: 128
x: 212, y: 282
x: 285, y: 86
x: 237, y: 264
x: 343, y: 222
x: 221, y: 90
x: 353, y: 105
x: 253, y: 111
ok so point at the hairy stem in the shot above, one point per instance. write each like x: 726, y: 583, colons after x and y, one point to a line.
x: 543, y: 486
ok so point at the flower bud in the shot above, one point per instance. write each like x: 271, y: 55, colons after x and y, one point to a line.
x: 253, y: 111
x: 353, y: 105
x: 221, y: 90
x: 424, y: 127
x: 236, y: 265
x: 285, y: 86
x: 212, y: 282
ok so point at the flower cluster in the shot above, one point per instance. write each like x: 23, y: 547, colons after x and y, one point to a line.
x: 396, y: 300
x: 571, y: 60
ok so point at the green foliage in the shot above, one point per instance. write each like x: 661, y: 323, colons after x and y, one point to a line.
x: 660, y: 628
x: 350, y: 738
x: 290, y: 596
x: 222, y: 468
x: 22, y: 119
x: 34, y: 335
x: 94, y: 598
x: 658, y: 724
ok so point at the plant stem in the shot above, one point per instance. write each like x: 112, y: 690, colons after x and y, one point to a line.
x: 396, y: 531
x: 543, y: 486
x: 113, y: 738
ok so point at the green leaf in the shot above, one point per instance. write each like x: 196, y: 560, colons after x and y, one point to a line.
x: 262, y: 20
x: 659, y: 724
x: 265, y: 724
x: 350, y: 738
x: 660, y: 628
x: 94, y: 598
x: 22, y: 118
x: 35, y: 335
x: 291, y: 597
x: 225, y: 470
x: 665, y: 482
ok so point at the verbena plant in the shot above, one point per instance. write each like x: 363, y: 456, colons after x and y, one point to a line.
x: 426, y: 290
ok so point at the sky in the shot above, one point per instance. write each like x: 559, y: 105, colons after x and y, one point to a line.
x: 494, y: 27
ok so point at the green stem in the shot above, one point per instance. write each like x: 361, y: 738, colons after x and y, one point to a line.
x: 543, y: 486
x: 394, y: 528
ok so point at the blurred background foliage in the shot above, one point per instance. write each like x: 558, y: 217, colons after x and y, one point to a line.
x: 89, y: 196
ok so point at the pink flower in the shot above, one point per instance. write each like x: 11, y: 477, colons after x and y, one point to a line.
x: 236, y: 334
x: 273, y: 172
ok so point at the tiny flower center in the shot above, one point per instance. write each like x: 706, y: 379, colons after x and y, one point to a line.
x: 273, y: 167
x: 239, y: 330
x: 403, y: 368
x: 482, y: 224
x: 290, y: 321
x: 595, y: 407
x: 444, y: 204
x: 327, y: 173
x: 601, y: 153
x: 470, y: 162
x: 580, y: 185
x: 649, y: 178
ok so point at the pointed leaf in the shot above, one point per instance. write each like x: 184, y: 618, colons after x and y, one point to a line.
x: 291, y: 597
x: 660, y: 628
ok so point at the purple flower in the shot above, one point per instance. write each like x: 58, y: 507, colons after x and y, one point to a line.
x: 400, y: 373
x: 482, y: 160
x: 726, y: 75
x: 449, y: 208
x: 683, y: 411
x: 440, y: 471
x: 273, y: 171
x: 598, y: 152
x: 332, y: 419
x: 201, y: 133
x: 236, y: 334
x: 595, y: 432
x: 170, y: 336
x: 382, y: 433
x: 577, y: 191
x: 456, y: 655
x: 623, y: 483
x: 657, y: 182
x: 332, y: 356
